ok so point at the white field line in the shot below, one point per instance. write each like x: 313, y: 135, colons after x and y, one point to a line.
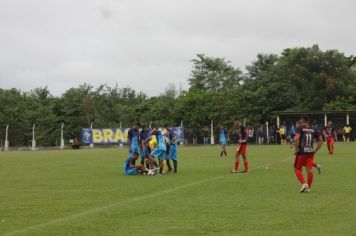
x: 104, y: 208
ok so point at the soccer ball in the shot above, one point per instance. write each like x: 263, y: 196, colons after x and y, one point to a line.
x: 151, y: 172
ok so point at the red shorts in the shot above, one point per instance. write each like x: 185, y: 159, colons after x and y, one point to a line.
x: 241, y: 148
x: 330, y: 140
x: 304, y: 160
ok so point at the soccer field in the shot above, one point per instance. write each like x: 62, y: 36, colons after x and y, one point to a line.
x: 83, y: 192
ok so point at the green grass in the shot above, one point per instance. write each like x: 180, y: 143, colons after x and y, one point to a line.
x: 84, y: 193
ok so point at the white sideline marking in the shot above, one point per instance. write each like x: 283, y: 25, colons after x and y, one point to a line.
x: 103, y: 208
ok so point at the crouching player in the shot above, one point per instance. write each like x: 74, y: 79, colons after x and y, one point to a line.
x: 172, y: 152
x: 304, y: 151
x: 159, y: 151
x: 130, y: 168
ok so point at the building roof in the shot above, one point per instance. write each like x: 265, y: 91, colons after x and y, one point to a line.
x: 335, y: 112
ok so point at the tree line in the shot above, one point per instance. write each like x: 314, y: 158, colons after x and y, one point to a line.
x: 299, y: 79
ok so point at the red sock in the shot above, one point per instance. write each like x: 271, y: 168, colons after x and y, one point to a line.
x: 315, y: 165
x: 246, y: 165
x: 236, y: 167
x: 299, y: 175
x: 310, y: 178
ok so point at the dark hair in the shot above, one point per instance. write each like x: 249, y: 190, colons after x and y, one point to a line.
x: 135, y: 153
x: 305, y: 118
x: 137, y: 123
x: 166, y: 125
x: 143, y: 126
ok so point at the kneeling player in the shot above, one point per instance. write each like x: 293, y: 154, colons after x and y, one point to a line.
x: 130, y: 168
x: 304, y: 151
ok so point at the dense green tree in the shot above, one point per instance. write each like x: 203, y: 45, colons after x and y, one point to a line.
x: 213, y: 74
x: 299, y: 79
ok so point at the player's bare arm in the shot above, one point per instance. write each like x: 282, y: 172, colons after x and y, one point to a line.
x: 320, y: 143
x: 296, y: 141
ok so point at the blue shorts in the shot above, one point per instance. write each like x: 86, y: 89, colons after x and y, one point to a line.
x: 223, y: 141
x: 159, y: 153
x: 143, y: 152
x: 132, y: 150
x: 172, y: 153
x: 131, y: 171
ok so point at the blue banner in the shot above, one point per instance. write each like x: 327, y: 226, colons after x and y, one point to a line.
x: 117, y: 135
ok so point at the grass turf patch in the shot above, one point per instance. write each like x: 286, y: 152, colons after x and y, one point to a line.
x: 83, y: 192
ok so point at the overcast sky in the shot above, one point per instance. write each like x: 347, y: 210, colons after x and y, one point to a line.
x: 147, y: 44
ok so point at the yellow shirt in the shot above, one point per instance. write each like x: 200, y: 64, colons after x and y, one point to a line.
x: 153, y: 142
x: 281, y: 131
x: 347, y: 130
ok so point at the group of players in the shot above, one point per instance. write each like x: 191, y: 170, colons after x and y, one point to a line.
x: 154, y: 147
x: 304, y: 151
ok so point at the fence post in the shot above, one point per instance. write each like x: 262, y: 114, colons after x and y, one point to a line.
x: 6, y: 147
x: 62, y: 137
x: 267, y: 134
x: 33, y: 138
x: 91, y: 144
x: 212, y: 141
x: 182, y: 141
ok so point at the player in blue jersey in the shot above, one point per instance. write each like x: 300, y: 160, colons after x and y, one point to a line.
x: 159, y: 151
x: 133, y: 139
x: 130, y: 168
x: 144, y: 138
x: 223, y: 138
x: 172, y: 152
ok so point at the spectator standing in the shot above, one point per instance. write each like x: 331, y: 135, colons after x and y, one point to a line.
x: 347, y: 132
x: 205, y: 135
x: 292, y: 134
x: 261, y: 135
x: 282, y: 133
x: 278, y: 136
x: 271, y: 134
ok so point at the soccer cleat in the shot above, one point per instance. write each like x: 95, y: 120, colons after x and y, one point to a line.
x: 169, y: 172
x: 304, y: 188
x: 308, y: 190
x: 234, y: 172
x: 318, y: 167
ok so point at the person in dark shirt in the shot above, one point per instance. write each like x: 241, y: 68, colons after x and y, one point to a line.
x: 144, y: 138
x: 159, y: 151
x: 133, y: 139
x: 304, y: 151
x: 241, y: 147
x: 172, y: 153
x: 329, y: 133
x: 205, y: 135
x: 130, y: 168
